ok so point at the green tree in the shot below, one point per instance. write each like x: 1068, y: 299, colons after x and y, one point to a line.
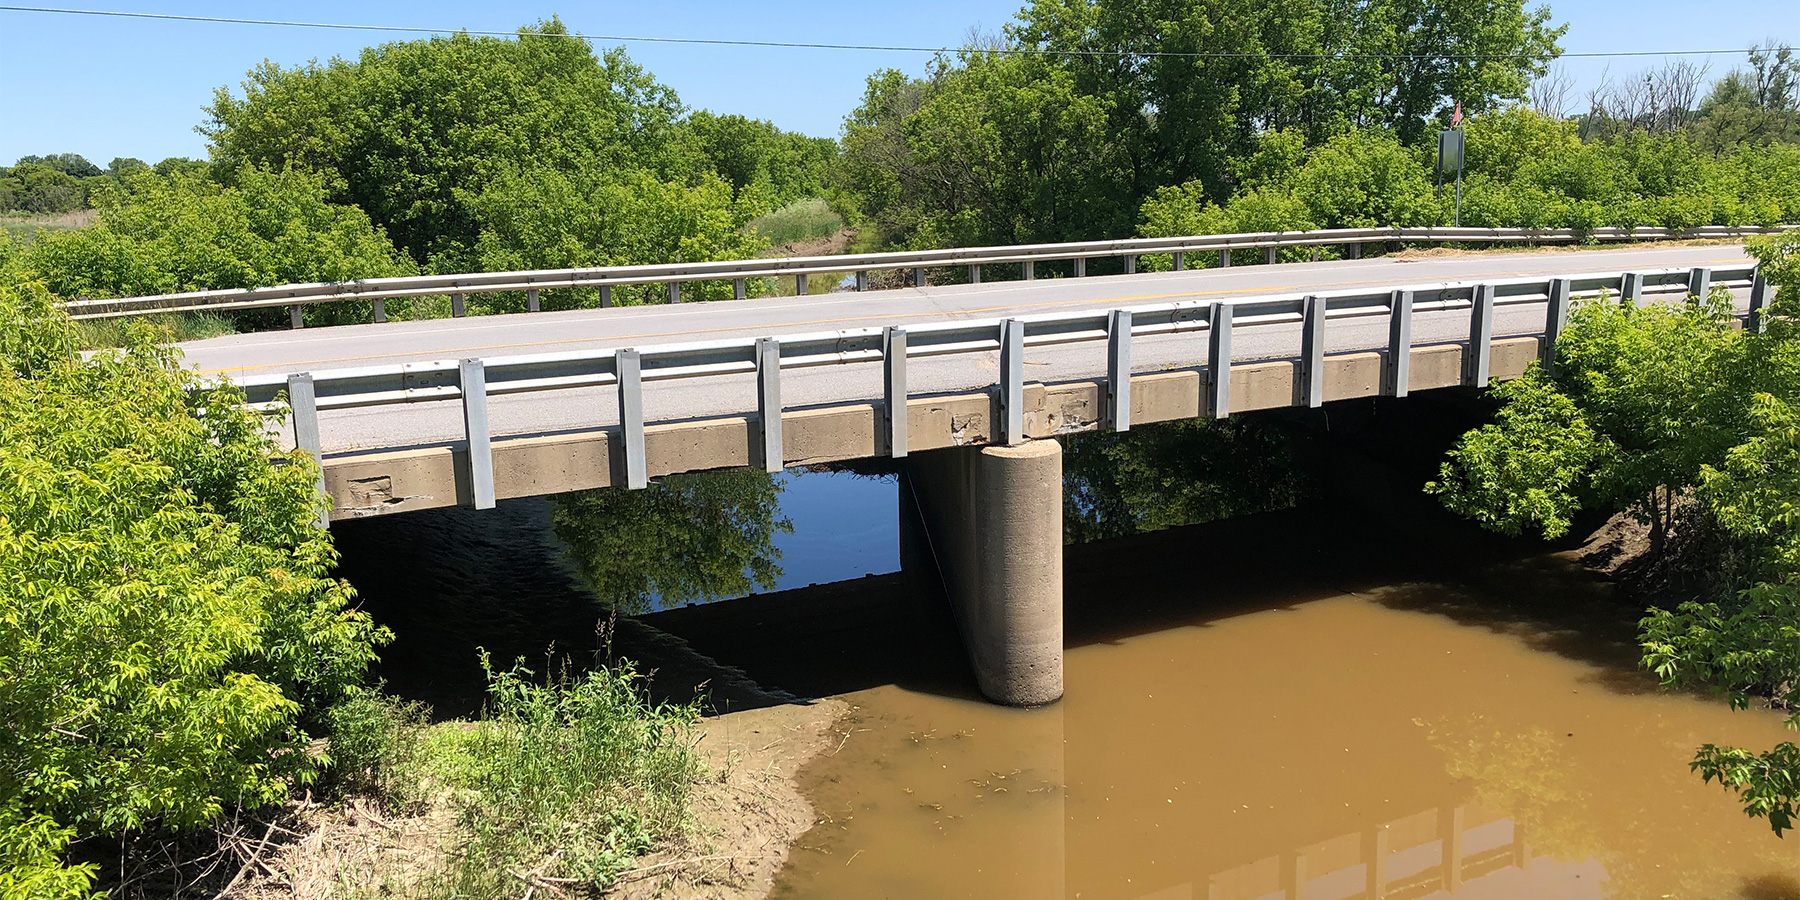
x: 168, y: 628
x: 184, y: 232
x: 1649, y: 406
x: 413, y: 131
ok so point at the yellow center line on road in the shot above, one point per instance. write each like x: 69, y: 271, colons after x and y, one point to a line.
x: 301, y: 365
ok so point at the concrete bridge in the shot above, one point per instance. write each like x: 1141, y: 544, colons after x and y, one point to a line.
x: 968, y: 383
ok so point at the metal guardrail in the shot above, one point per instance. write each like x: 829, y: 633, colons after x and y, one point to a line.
x: 473, y: 381
x: 378, y: 290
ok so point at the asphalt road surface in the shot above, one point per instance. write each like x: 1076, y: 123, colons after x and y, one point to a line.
x: 355, y: 346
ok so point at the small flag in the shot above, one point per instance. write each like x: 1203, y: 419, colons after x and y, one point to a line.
x: 1456, y: 119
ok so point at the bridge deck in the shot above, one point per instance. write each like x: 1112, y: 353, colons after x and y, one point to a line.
x: 561, y: 412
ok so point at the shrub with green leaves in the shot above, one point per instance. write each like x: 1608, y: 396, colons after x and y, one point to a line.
x: 1650, y: 405
x: 163, y: 234
x: 168, y: 629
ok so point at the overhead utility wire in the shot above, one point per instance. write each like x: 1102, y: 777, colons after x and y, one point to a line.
x: 717, y: 42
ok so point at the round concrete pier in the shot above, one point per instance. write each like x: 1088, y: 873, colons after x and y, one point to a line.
x: 1015, y: 627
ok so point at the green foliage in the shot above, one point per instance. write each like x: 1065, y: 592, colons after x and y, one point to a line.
x: 1528, y: 470
x: 1650, y: 405
x: 989, y: 149
x: 31, y: 866
x: 579, y: 770
x: 167, y: 623
x: 992, y: 148
x: 38, y: 188
x: 776, y: 167
x: 185, y: 232
x: 568, y: 778
x: 798, y: 221
x: 1173, y: 473
x: 698, y: 536
x: 543, y: 218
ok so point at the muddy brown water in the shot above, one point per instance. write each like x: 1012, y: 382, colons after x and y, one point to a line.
x: 1282, y: 706
x: 1321, y: 730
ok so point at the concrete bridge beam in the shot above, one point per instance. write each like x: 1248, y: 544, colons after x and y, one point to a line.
x: 992, y: 521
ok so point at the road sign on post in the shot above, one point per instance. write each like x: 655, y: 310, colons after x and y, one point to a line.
x: 1450, y: 159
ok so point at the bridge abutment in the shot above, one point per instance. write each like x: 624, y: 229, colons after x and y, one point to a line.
x: 991, y: 519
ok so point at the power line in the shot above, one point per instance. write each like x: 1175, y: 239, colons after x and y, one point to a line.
x: 718, y: 42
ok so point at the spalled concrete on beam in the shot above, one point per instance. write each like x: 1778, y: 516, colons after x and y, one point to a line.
x: 366, y: 484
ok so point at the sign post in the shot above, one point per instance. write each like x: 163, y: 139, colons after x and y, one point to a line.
x: 1450, y: 157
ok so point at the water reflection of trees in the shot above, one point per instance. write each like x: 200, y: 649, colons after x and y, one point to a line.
x: 698, y: 536
x: 1175, y: 473
x: 1629, y: 803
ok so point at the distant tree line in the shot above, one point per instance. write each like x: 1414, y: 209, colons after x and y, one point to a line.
x: 1091, y: 119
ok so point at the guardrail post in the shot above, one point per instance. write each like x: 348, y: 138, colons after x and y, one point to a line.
x: 1312, y: 352
x: 1180, y: 260
x: 975, y: 274
x: 296, y: 319
x: 378, y: 306
x: 1353, y: 250
x: 919, y: 276
x: 1759, y: 302
x: 1699, y: 283
x: 304, y: 403
x: 674, y: 292
x: 606, y: 296
x: 862, y: 281
x: 1481, y: 337
x: 1225, y: 259
x: 1130, y: 263
x: 739, y: 290
x: 1631, y: 288
x: 768, y: 401
x: 472, y: 379
x: 531, y: 300
x: 458, y: 307
x: 1269, y: 255
x: 1556, y: 317
x: 1030, y: 270
x: 1118, y: 369
x: 893, y: 359
x: 800, y: 285
x: 629, y: 369
x: 1399, y: 361
x: 1080, y: 267
x: 1218, y: 359
x: 1012, y: 381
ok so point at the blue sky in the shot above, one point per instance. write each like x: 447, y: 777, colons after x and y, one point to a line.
x: 132, y: 87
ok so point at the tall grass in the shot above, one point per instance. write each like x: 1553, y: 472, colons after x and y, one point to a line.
x: 564, y: 778
x: 94, y: 334
x: 800, y: 220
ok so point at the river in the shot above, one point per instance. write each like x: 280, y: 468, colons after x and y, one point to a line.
x: 1276, y: 706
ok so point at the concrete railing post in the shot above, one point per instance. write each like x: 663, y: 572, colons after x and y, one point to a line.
x: 993, y: 521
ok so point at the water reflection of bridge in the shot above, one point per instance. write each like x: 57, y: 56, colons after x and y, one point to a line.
x: 1403, y: 859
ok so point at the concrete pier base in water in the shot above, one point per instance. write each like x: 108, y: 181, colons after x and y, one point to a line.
x: 992, y: 523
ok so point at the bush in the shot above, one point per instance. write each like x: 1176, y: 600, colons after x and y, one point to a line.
x: 184, y: 232
x: 168, y: 629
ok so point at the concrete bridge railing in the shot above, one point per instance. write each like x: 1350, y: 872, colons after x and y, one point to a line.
x: 473, y: 381
x: 989, y: 503
x: 531, y: 283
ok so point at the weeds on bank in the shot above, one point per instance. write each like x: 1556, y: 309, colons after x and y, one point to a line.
x: 559, y: 787
x: 798, y: 221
